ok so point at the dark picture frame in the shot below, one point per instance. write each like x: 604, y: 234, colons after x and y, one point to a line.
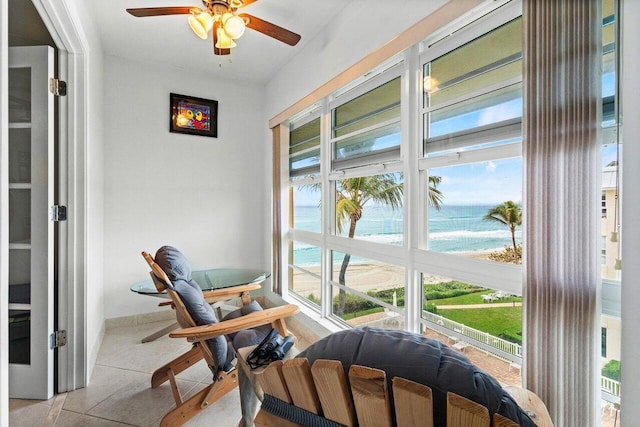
x: 193, y: 115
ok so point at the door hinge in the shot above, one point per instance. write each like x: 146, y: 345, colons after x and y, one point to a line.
x: 58, y: 339
x: 58, y: 213
x: 58, y: 87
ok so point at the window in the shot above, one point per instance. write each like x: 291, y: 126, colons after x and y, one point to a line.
x: 304, y: 148
x: 462, y: 314
x: 305, y: 202
x: 406, y: 194
x: 473, y: 94
x: 304, y: 272
x: 479, y: 214
x: 366, y: 128
x: 370, y: 208
x: 367, y: 292
x: 391, y: 220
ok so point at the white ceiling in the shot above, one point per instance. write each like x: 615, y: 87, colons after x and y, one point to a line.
x: 168, y: 40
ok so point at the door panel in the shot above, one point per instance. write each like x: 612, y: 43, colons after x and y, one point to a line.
x: 30, y: 229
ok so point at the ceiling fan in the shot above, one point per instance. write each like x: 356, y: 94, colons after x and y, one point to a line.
x: 221, y: 17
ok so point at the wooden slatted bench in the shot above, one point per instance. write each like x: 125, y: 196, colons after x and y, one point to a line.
x: 296, y: 394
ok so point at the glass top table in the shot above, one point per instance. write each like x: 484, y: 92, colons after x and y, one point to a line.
x: 214, y: 278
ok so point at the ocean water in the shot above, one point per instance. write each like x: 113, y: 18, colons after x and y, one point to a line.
x: 453, y: 229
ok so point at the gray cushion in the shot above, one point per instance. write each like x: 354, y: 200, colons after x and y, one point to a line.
x: 176, y: 266
x: 247, y: 337
x: 420, y: 359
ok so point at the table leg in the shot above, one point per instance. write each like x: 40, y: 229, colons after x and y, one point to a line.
x: 164, y: 331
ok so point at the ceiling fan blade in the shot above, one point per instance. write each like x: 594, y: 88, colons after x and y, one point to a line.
x: 271, y: 30
x: 248, y: 2
x: 217, y: 50
x: 159, y: 11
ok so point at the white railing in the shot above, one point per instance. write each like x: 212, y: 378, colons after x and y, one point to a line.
x: 483, y: 337
x: 607, y: 384
x: 610, y: 386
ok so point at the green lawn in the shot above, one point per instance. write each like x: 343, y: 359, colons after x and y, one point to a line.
x: 495, y: 321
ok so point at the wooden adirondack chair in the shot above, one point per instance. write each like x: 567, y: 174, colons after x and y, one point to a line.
x: 322, y: 389
x: 224, y: 381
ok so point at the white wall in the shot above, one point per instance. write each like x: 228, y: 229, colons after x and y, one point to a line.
x: 361, y: 27
x: 206, y: 196
x: 95, y: 273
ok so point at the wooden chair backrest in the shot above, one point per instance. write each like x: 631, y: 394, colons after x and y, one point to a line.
x: 464, y: 412
x: 500, y: 421
x: 413, y: 403
x: 364, y: 400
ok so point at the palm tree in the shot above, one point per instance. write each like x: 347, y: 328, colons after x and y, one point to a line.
x: 353, y: 194
x: 509, y: 214
x: 435, y: 195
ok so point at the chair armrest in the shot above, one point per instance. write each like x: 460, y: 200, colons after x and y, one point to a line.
x: 257, y: 318
x: 228, y: 293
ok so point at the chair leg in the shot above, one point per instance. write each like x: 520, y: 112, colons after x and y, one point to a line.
x: 201, y: 401
x: 176, y: 366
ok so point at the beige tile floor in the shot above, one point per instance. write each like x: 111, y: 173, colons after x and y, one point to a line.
x: 119, y: 393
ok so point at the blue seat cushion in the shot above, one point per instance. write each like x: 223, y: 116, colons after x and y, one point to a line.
x: 247, y: 337
x: 177, y: 268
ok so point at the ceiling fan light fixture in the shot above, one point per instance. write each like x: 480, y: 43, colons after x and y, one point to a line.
x: 201, y: 24
x: 224, y: 41
x: 233, y: 25
x: 236, y: 4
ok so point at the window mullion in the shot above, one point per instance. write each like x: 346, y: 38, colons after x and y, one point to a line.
x: 328, y: 206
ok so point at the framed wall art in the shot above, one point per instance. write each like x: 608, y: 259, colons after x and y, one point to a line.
x: 193, y: 115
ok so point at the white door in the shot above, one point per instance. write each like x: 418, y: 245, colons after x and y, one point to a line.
x: 31, y: 253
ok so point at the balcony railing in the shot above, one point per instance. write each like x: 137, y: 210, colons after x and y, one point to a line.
x: 487, y: 341
x: 503, y: 346
x: 610, y: 386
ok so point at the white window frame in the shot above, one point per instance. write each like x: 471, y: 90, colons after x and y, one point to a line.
x: 376, y: 80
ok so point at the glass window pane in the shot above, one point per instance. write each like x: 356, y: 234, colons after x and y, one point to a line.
x: 19, y: 156
x: 372, y: 141
x: 377, y: 279
x: 304, y: 149
x: 376, y: 106
x: 19, y: 95
x: 19, y: 216
x: 370, y: 208
x: 19, y: 276
x: 485, y: 324
x: 305, y: 280
x: 491, y: 108
x: 380, y: 282
x: 20, y: 337
x: 487, y: 60
x: 359, y: 311
x: 471, y: 193
x: 305, y: 200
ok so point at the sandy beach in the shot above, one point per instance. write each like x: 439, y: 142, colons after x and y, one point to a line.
x: 362, y: 277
